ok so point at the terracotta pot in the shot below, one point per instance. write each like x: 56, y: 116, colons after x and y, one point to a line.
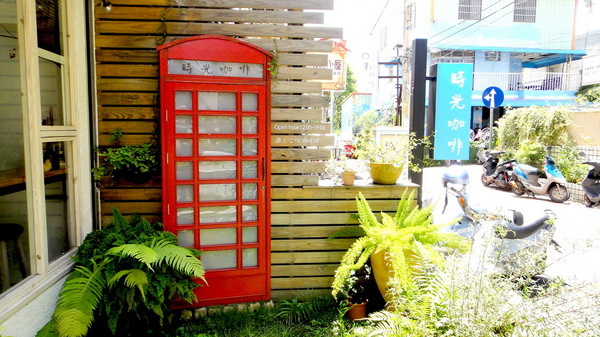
x: 347, y: 178
x: 385, y: 174
x: 357, y: 311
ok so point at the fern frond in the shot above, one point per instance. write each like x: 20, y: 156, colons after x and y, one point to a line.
x: 180, y: 259
x: 133, y: 278
x: 78, y: 300
x: 356, y: 256
x: 405, y: 206
x: 140, y: 252
x: 365, y: 214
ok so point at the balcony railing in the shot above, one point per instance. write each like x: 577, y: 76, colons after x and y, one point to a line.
x: 528, y: 81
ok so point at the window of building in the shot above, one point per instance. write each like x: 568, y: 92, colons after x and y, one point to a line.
x: 469, y: 9
x: 525, y: 10
x: 45, y: 189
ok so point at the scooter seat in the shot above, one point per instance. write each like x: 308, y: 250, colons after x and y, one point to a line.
x: 514, y: 231
x: 530, y: 170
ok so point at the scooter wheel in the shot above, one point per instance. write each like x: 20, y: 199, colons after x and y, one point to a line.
x: 558, y: 193
x: 518, y: 188
x: 484, y: 181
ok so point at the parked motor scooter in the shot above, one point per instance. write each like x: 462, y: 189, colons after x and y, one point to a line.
x: 526, y: 179
x: 591, y: 185
x: 494, y: 173
x: 481, y: 155
x: 515, y: 238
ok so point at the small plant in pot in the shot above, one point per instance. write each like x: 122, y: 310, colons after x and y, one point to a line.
x: 355, y: 292
x: 345, y: 168
x: 387, y: 159
x: 134, y: 163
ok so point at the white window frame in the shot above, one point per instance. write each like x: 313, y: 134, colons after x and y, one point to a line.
x: 45, y: 274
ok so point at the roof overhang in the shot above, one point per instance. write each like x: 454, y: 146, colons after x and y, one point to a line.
x: 532, y: 57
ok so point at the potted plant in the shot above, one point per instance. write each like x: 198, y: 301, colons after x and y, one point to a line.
x: 345, y: 168
x: 395, y: 245
x: 387, y: 160
x: 355, y: 292
x: 134, y: 163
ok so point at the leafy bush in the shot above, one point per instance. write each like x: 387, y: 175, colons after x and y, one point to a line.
x: 531, y: 153
x: 545, y: 125
x: 570, y: 164
x: 590, y: 94
x: 124, y: 278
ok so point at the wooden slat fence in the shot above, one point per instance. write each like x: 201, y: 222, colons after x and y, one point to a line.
x: 303, y: 213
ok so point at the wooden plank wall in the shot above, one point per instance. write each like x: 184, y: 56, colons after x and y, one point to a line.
x: 303, y: 260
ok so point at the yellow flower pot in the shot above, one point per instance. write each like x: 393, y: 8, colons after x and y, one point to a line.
x: 385, y: 174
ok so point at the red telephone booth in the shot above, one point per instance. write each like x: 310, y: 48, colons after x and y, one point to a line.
x: 215, y: 109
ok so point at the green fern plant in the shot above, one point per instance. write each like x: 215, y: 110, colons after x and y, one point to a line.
x: 124, y: 278
x: 409, y: 230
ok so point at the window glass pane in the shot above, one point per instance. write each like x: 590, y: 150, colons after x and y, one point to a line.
x: 49, y: 19
x: 217, y: 192
x: 250, y: 257
x: 183, y: 124
x: 469, y: 9
x: 218, y: 170
x: 57, y: 161
x: 218, y: 214
x: 249, y: 125
x: 186, y: 238
x: 217, y: 147
x: 249, y: 191
x: 249, y: 169
x: 185, y: 193
x: 217, y: 124
x: 183, y: 147
x: 249, y: 212
x: 218, y: 236
x: 185, y: 216
x: 249, y: 147
x: 219, y: 259
x: 184, y: 170
x: 250, y: 234
x: 183, y: 100
x: 224, y: 101
x: 249, y: 102
x: 13, y: 198
x: 51, y: 93
x: 525, y: 10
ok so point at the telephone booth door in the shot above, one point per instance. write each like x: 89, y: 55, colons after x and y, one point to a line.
x: 215, y: 102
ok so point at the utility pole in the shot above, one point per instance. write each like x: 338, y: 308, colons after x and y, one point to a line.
x: 397, y: 63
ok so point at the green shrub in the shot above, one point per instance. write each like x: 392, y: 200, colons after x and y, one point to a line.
x: 124, y: 279
x: 545, y: 125
x: 570, y: 165
x: 589, y: 94
x: 531, y: 153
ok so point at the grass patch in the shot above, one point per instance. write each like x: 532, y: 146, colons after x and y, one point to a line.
x: 318, y: 317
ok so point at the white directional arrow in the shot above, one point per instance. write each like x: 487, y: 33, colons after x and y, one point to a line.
x: 490, y: 97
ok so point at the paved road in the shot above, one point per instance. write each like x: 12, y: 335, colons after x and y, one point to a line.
x: 577, y: 227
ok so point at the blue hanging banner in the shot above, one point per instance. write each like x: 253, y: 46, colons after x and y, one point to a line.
x: 453, y: 111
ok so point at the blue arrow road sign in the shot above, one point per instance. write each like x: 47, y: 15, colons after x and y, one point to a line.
x: 492, y: 97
